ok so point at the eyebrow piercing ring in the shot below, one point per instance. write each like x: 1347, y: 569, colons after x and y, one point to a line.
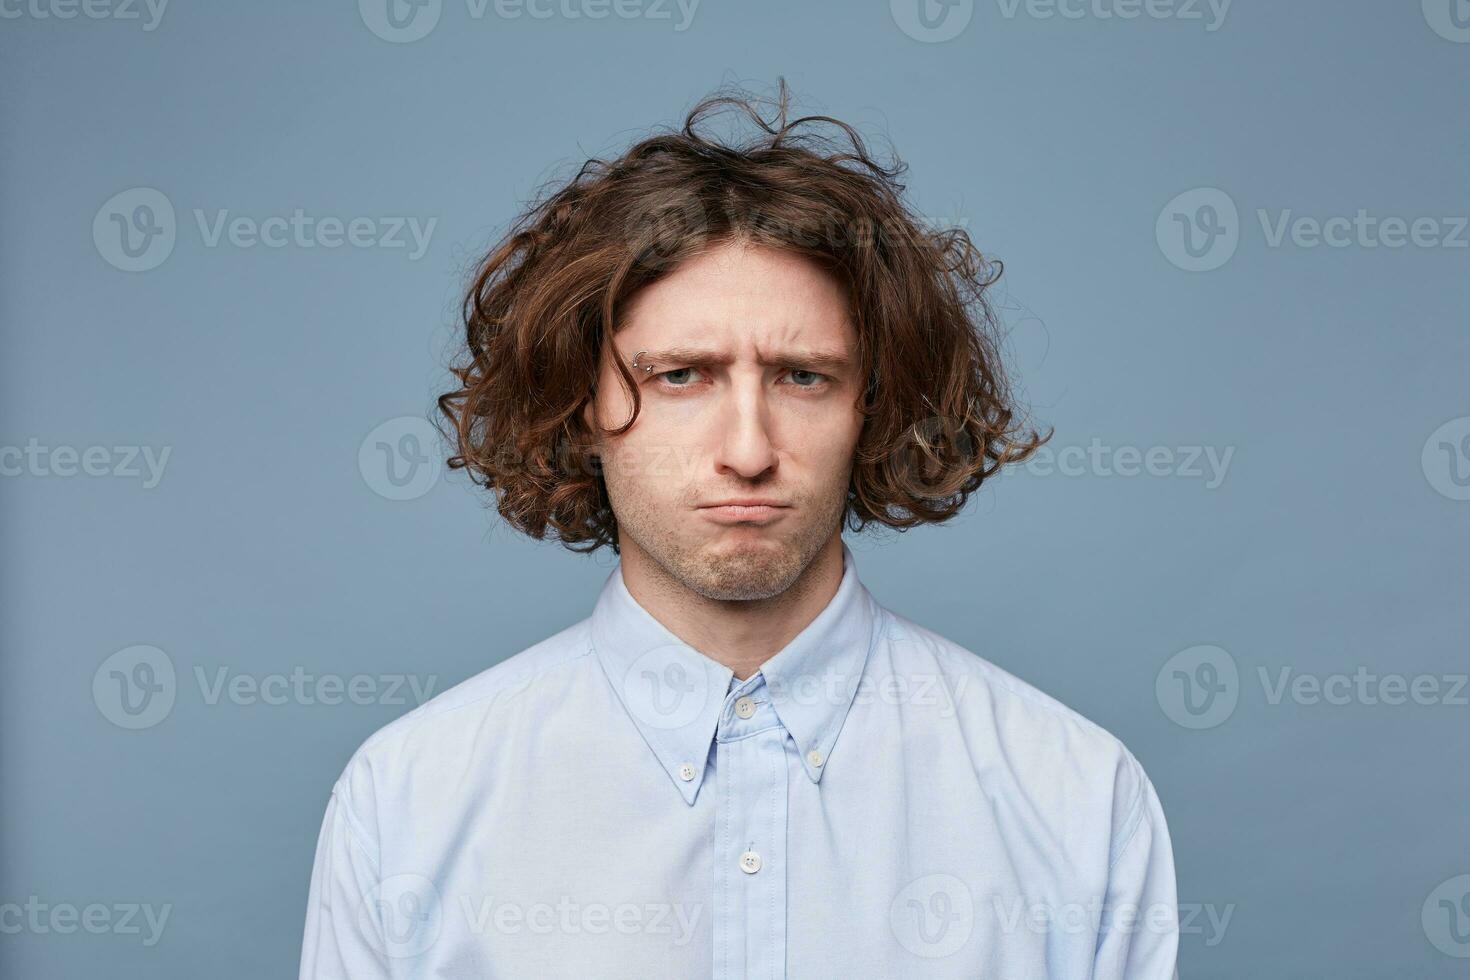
x: 645, y: 367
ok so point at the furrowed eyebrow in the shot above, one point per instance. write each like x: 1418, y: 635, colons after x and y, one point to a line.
x: 792, y: 359
x: 692, y: 356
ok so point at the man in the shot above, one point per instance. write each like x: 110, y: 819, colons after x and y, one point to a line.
x: 711, y: 358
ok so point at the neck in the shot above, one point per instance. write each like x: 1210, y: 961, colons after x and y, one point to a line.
x: 741, y: 634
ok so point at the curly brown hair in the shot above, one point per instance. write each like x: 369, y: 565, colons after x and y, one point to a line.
x: 939, y: 414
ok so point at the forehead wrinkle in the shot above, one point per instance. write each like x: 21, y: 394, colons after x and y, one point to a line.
x: 740, y: 319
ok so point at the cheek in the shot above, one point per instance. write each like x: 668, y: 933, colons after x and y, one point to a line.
x: 648, y: 463
x: 830, y: 440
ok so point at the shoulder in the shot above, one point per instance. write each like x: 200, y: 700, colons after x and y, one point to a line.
x: 983, y: 685
x: 462, y: 721
x: 1035, y: 743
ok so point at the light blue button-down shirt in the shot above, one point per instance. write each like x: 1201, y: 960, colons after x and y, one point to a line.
x: 874, y: 802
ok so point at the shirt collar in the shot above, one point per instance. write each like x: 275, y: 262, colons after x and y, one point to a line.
x: 675, y: 694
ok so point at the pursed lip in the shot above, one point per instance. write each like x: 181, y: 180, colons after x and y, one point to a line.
x: 744, y: 510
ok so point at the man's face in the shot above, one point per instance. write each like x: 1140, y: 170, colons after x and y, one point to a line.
x: 752, y: 396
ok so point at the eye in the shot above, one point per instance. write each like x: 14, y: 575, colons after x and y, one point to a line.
x: 807, y: 379
x: 675, y: 378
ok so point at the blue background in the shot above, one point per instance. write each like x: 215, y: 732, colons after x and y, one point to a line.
x: 1330, y: 544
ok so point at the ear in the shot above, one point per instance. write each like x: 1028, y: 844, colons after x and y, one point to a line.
x: 589, y: 416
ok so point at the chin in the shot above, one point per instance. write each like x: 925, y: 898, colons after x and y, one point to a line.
x: 751, y: 568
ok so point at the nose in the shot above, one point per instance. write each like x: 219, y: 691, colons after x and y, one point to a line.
x: 746, y: 447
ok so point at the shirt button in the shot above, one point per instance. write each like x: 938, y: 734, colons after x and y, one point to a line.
x: 814, y: 757
x: 686, y: 772
x: 745, y: 707
x: 750, y: 862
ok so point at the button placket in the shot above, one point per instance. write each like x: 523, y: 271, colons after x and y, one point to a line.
x: 751, y: 768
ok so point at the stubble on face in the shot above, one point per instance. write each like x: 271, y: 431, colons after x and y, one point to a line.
x: 744, y: 564
x: 746, y: 299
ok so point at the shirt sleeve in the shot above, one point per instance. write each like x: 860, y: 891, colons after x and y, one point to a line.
x: 343, y: 939
x: 1138, y: 938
